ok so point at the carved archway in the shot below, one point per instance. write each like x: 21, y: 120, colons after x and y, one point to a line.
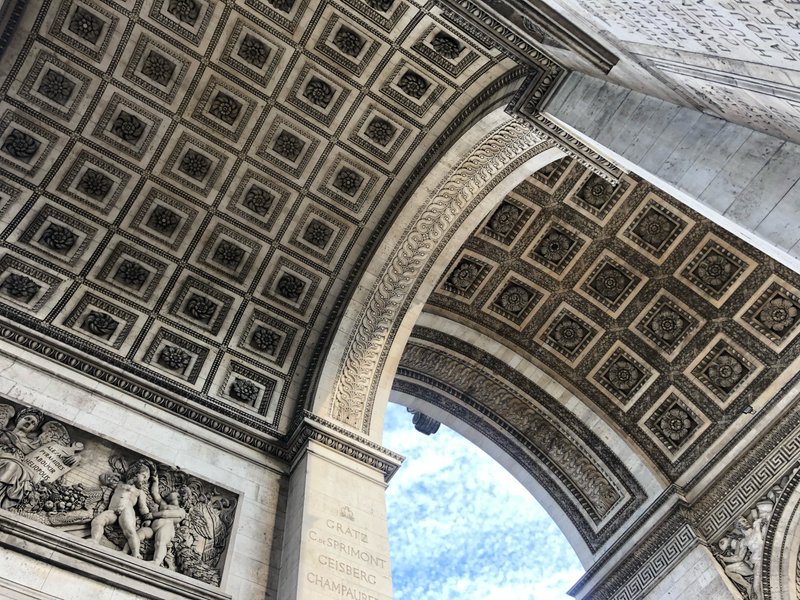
x: 493, y: 157
x: 529, y: 423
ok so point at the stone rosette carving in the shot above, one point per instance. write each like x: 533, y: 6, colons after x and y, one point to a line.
x: 58, y: 238
x: 72, y: 481
x: 186, y: 11
x: 504, y: 219
x: 446, y: 45
x: 128, y: 127
x: 258, y: 200
x: 57, y: 87
x: 413, y: 85
x: 380, y: 131
x: 20, y: 287
x: 158, y: 67
x: 86, y: 25
x: 381, y: 5
x: 253, y: 51
x: 195, y: 165
x: 225, y: 108
x: 347, y: 181
x: 290, y: 287
x: 288, y: 145
x: 228, y: 254
x: 318, y: 92
x: 95, y: 184
x: 131, y: 274
x: 740, y: 550
x: 20, y: 145
x: 348, y: 41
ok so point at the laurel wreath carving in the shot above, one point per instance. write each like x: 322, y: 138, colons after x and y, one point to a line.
x: 362, y: 359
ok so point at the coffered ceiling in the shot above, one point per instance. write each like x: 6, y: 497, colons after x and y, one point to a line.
x: 676, y: 330
x: 187, y: 185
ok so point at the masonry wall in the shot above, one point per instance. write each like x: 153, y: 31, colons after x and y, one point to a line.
x: 749, y: 177
x: 251, y: 571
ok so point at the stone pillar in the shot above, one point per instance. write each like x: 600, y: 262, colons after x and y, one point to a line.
x: 336, y: 542
x: 698, y: 576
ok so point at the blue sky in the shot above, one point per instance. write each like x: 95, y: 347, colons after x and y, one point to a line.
x: 462, y: 528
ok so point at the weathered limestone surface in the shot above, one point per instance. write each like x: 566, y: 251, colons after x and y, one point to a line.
x: 749, y: 177
x: 697, y: 577
x: 337, y: 542
x: 76, y: 400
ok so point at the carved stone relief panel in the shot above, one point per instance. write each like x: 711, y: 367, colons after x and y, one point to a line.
x: 194, y: 178
x: 81, y: 485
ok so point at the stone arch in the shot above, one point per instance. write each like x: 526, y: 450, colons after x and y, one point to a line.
x: 489, y: 160
x: 781, y: 567
x: 547, y: 438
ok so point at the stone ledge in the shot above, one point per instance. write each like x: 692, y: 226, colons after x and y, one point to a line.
x: 101, y: 564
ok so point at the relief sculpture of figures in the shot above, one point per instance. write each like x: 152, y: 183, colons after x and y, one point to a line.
x: 153, y: 512
x: 741, y: 550
x: 28, y: 458
x: 743, y: 553
x: 169, y: 514
x: 128, y: 496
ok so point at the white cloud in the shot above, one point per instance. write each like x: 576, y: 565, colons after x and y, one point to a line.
x: 462, y: 528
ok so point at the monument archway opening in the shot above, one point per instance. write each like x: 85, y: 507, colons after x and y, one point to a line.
x: 462, y: 527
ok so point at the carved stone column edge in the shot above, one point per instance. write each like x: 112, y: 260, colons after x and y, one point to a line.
x: 322, y: 431
x: 774, y: 455
x: 781, y: 552
x: 509, y: 23
x: 69, y: 552
x: 489, y: 29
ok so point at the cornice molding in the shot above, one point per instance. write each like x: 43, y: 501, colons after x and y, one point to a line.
x: 344, y: 442
x: 527, y: 105
x: 283, y: 448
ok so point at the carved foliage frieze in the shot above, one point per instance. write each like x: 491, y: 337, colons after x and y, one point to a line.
x: 368, y: 343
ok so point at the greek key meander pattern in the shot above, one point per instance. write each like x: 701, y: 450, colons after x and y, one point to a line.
x: 462, y: 188
x: 196, y: 229
x: 654, y: 567
x: 775, y: 456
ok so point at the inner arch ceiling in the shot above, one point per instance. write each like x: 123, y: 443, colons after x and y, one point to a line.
x: 188, y: 187
x: 675, y: 332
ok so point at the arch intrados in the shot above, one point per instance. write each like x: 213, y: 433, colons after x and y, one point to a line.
x: 513, y: 453
x: 487, y: 162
